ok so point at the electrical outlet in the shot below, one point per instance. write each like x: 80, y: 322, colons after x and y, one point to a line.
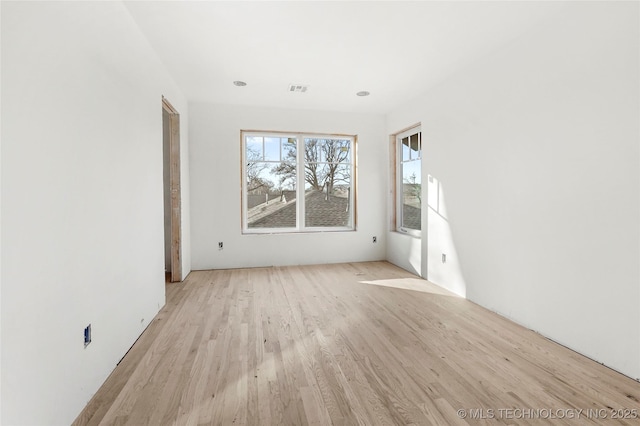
x: 375, y: 240
x: 220, y: 245
x: 87, y: 335
x: 444, y: 258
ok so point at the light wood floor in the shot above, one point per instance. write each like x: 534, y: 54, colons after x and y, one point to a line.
x: 358, y: 343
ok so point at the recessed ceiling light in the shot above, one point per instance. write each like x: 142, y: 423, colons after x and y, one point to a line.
x: 239, y: 83
x: 363, y: 93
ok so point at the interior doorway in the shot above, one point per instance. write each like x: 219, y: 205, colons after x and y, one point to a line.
x: 171, y: 183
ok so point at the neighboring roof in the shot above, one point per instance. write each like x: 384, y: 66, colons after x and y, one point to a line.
x: 254, y: 200
x: 411, y: 216
x: 320, y: 212
x: 278, y: 214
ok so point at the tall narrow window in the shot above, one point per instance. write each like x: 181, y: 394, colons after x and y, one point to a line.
x: 409, y: 181
x: 297, y: 182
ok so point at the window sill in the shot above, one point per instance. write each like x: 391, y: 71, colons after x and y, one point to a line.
x: 412, y: 234
x: 297, y: 232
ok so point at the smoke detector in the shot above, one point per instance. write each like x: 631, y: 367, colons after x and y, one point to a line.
x: 300, y: 88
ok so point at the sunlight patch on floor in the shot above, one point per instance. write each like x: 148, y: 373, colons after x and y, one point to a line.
x: 414, y: 284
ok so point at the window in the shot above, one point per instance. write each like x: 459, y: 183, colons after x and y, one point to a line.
x: 409, y: 181
x: 297, y: 182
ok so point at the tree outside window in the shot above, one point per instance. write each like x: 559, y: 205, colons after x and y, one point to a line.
x: 278, y: 197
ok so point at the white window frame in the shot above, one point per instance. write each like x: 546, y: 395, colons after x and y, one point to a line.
x: 300, y: 183
x: 399, y: 178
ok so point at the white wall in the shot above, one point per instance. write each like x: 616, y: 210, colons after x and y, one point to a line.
x: 82, y: 205
x: 536, y: 150
x: 405, y: 251
x: 0, y: 217
x: 215, y: 191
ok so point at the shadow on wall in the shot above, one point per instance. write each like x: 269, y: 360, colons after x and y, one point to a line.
x: 443, y: 264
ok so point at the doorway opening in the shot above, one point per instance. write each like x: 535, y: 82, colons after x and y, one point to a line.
x: 171, y: 184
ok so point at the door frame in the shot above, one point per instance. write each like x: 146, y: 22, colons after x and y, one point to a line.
x: 174, y: 190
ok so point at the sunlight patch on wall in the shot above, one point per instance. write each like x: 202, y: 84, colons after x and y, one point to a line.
x: 443, y: 265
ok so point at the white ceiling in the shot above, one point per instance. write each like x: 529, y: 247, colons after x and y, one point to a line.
x: 395, y: 50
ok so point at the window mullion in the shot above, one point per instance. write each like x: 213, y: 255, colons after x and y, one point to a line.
x: 300, y: 180
x: 245, y: 196
x: 399, y: 175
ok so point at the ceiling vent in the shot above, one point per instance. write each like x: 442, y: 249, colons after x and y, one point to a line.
x: 300, y: 88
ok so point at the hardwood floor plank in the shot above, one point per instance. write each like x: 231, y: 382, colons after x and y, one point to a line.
x: 346, y: 344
